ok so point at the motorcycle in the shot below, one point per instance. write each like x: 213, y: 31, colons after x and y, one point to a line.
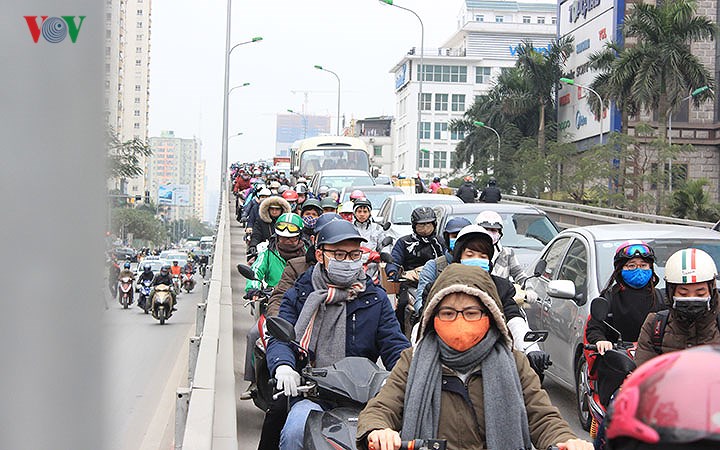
x: 256, y: 298
x: 144, y: 295
x: 125, y: 291
x: 188, y: 283
x: 604, y: 374
x: 162, y: 303
x: 176, y: 283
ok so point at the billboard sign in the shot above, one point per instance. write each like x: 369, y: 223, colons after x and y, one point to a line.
x: 174, y: 194
x: 402, y: 75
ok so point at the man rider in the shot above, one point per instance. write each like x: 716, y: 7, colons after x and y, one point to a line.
x: 126, y: 272
x: 175, y: 269
x: 368, y: 229
x: 147, y: 274
x: 270, y: 209
x: 164, y: 277
x: 491, y: 194
x: 467, y: 191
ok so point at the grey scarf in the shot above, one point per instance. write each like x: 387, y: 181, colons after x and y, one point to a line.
x: 321, y: 325
x: 506, y: 425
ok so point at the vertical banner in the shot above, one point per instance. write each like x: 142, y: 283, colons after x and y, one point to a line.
x: 52, y: 180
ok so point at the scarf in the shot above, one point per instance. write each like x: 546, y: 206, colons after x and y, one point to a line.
x: 506, y: 426
x: 322, y: 321
x: 288, y: 252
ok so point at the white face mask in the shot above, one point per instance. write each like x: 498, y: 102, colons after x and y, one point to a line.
x: 495, y: 235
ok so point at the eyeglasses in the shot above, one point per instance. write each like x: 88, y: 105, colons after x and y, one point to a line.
x: 341, y: 255
x: 471, y: 313
x: 641, y: 250
x: 291, y: 227
x: 633, y: 266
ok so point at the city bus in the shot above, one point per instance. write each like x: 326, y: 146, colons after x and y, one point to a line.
x: 310, y: 155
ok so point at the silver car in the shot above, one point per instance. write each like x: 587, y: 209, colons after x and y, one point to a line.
x: 398, y: 208
x: 579, y: 263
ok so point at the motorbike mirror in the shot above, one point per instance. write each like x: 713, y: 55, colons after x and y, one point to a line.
x: 246, y: 272
x: 386, y: 257
x: 599, y: 309
x: 385, y: 242
x: 540, y: 268
x: 280, y: 329
x: 536, y: 336
x: 386, y: 226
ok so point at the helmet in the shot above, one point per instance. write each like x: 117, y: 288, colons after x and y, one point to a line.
x: 289, y: 225
x: 443, y: 182
x: 165, y: 269
x: 126, y: 265
x: 147, y: 268
x: 631, y: 249
x: 689, y: 265
x: 489, y: 219
x: 473, y: 232
x: 337, y: 231
x: 656, y: 407
x: 357, y: 194
x: 300, y: 188
x: 492, y: 181
x: 333, y: 190
x: 323, y: 190
x: 326, y: 219
x: 282, y: 189
x: 454, y: 225
x: 436, y: 179
x: 290, y: 195
x: 175, y: 263
x: 362, y: 202
x: 328, y: 203
x: 302, y: 180
x: 346, y: 207
x: 312, y: 203
x: 423, y: 214
x: 274, y: 184
x: 264, y: 192
x: 468, y: 178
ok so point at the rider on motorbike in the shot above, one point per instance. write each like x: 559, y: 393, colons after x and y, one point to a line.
x: 126, y: 272
x: 164, y: 277
x: 147, y: 273
x: 175, y: 269
x: 368, y: 229
x: 270, y: 209
x: 505, y: 264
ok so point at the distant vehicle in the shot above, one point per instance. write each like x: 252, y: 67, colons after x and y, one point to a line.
x: 155, y: 265
x: 206, y: 242
x: 376, y: 194
x: 308, y: 156
x: 340, y: 179
x: 125, y: 253
x: 397, y: 210
x: 526, y: 229
x: 383, y: 179
x: 579, y: 264
x: 168, y: 256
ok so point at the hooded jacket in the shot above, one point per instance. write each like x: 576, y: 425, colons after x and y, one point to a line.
x: 467, y: 192
x: 462, y: 417
x: 263, y: 228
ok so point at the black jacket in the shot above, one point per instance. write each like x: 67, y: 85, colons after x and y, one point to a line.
x: 163, y: 279
x: 145, y: 276
x: 467, y: 192
x: 412, y: 251
x: 628, y: 310
x: 490, y: 194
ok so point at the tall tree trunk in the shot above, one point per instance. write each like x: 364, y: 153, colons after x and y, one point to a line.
x: 541, y: 130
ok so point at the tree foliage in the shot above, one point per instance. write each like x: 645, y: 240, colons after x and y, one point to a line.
x: 124, y: 157
x: 140, y: 222
x: 691, y: 201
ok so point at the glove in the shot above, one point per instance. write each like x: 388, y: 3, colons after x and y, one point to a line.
x: 392, y: 271
x: 287, y: 380
x: 539, y: 361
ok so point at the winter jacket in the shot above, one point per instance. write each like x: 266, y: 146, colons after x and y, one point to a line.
x: 241, y: 184
x: 268, y: 267
x: 372, y: 330
x: 371, y: 231
x: 162, y: 279
x: 490, y: 194
x: 506, y: 265
x: 126, y: 273
x: 263, y: 228
x: 294, y: 268
x: 467, y: 192
x: 251, y: 213
x: 412, y: 251
x: 145, y: 276
x: 678, y: 334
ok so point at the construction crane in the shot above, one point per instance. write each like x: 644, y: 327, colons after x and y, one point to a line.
x: 306, y: 93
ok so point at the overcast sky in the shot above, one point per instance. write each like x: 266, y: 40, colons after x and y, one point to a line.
x: 360, y: 40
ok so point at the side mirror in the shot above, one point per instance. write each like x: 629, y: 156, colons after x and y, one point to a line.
x: 386, y: 257
x: 599, y: 309
x: 385, y: 242
x: 386, y: 226
x: 280, y: 329
x: 561, y: 289
x: 540, y: 268
x: 246, y: 272
x: 536, y: 336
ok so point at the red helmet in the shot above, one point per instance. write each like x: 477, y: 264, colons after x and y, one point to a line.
x: 672, y: 399
x: 357, y: 194
x: 290, y: 195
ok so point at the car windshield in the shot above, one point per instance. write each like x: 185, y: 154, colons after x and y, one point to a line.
x: 523, y: 230
x: 340, y: 182
x: 404, y: 208
x: 155, y: 265
x: 375, y: 197
x: 663, y: 248
x: 312, y: 161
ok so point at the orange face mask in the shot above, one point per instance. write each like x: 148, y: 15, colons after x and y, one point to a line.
x: 460, y: 334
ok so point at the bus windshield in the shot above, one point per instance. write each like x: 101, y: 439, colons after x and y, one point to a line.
x: 312, y: 161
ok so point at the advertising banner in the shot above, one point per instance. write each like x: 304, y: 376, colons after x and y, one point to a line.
x: 174, y: 194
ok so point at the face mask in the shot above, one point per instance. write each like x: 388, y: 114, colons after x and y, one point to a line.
x: 309, y: 221
x: 452, y: 243
x: 636, y: 278
x: 478, y: 262
x: 343, y: 273
x: 495, y: 236
x: 690, y: 309
x: 460, y: 334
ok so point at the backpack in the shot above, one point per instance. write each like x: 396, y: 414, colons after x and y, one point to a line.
x: 661, y: 318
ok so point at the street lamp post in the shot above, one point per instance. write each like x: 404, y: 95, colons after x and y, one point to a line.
x: 238, y: 86
x: 572, y: 82
x: 693, y: 94
x: 304, y: 118
x: 477, y: 123
x: 422, y: 68
x: 338, y: 96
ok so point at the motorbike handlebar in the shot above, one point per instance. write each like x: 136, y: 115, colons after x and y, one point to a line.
x: 592, y: 347
x: 422, y: 444
x: 301, y: 390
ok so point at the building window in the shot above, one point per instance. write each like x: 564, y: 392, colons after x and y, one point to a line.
x: 137, y: 88
x: 482, y: 75
x: 137, y: 113
x: 137, y: 99
x: 441, y: 102
x: 479, y: 18
x: 457, y: 135
x: 458, y: 102
x: 107, y: 51
x: 423, y: 159
x: 425, y: 102
x: 108, y: 34
x: 138, y: 62
x: 139, y: 37
x: 453, y: 159
x: 440, y: 129
x: 526, y: 19
x: 444, y: 74
x: 541, y: 20
x: 107, y: 84
x: 139, y: 12
x: 499, y: 19
x: 439, y: 160
x: 424, y: 130
x: 107, y: 68
x: 553, y: 20
x: 136, y: 125
x: 138, y: 49
x: 108, y: 17
x: 377, y: 150
x: 139, y: 25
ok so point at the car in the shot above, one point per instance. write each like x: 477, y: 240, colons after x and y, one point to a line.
x: 124, y: 254
x: 340, y: 179
x: 155, y: 264
x: 376, y: 194
x: 168, y: 256
x: 526, y: 229
x: 577, y: 265
x: 397, y: 209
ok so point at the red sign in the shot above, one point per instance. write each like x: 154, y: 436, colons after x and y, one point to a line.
x: 602, y: 34
x: 565, y: 99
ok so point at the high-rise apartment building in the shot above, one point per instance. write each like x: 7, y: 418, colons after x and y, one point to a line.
x: 127, y: 77
x: 295, y: 126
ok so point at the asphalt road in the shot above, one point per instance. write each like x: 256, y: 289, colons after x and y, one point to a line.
x: 145, y: 364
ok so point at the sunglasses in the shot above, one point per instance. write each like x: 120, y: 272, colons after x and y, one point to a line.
x: 641, y: 250
x: 291, y: 227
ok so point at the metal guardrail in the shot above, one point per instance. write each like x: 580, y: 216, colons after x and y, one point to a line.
x: 576, y: 215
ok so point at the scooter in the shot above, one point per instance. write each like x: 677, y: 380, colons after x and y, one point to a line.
x: 188, y: 283
x: 125, y: 291
x: 144, y: 295
x: 255, y: 298
x: 605, y: 373
x: 176, y: 283
x: 162, y: 303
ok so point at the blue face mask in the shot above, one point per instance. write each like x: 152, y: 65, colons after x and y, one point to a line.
x: 452, y: 243
x: 636, y: 278
x: 483, y: 263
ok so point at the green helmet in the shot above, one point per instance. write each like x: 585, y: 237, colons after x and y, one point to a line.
x: 289, y: 225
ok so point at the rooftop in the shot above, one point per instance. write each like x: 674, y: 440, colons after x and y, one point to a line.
x: 509, y: 5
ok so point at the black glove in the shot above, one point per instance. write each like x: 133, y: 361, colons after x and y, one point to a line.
x: 251, y: 293
x: 539, y: 361
x: 392, y: 271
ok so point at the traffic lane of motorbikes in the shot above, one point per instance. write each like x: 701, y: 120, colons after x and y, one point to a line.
x: 140, y: 356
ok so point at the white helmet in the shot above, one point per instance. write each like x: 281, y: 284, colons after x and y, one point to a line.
x: 346, y: 207
x: 264, y: 192
x: 443, y: 182
x: 689, y: 265
x: 489, y: 219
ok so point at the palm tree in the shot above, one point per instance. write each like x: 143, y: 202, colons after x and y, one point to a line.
x: 542, y: 72
x: 659, y: 70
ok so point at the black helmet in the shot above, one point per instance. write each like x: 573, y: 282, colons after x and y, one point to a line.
x: 126, y: 265
x: 436, y: 179
x: 423, y: 214
x: 492, y: 181
x: 362, y: 202
x: 165, y: 269
x: 337, y: 231
x: 147, y: 268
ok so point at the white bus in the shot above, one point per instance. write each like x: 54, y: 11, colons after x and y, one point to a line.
x: 310, y: 155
